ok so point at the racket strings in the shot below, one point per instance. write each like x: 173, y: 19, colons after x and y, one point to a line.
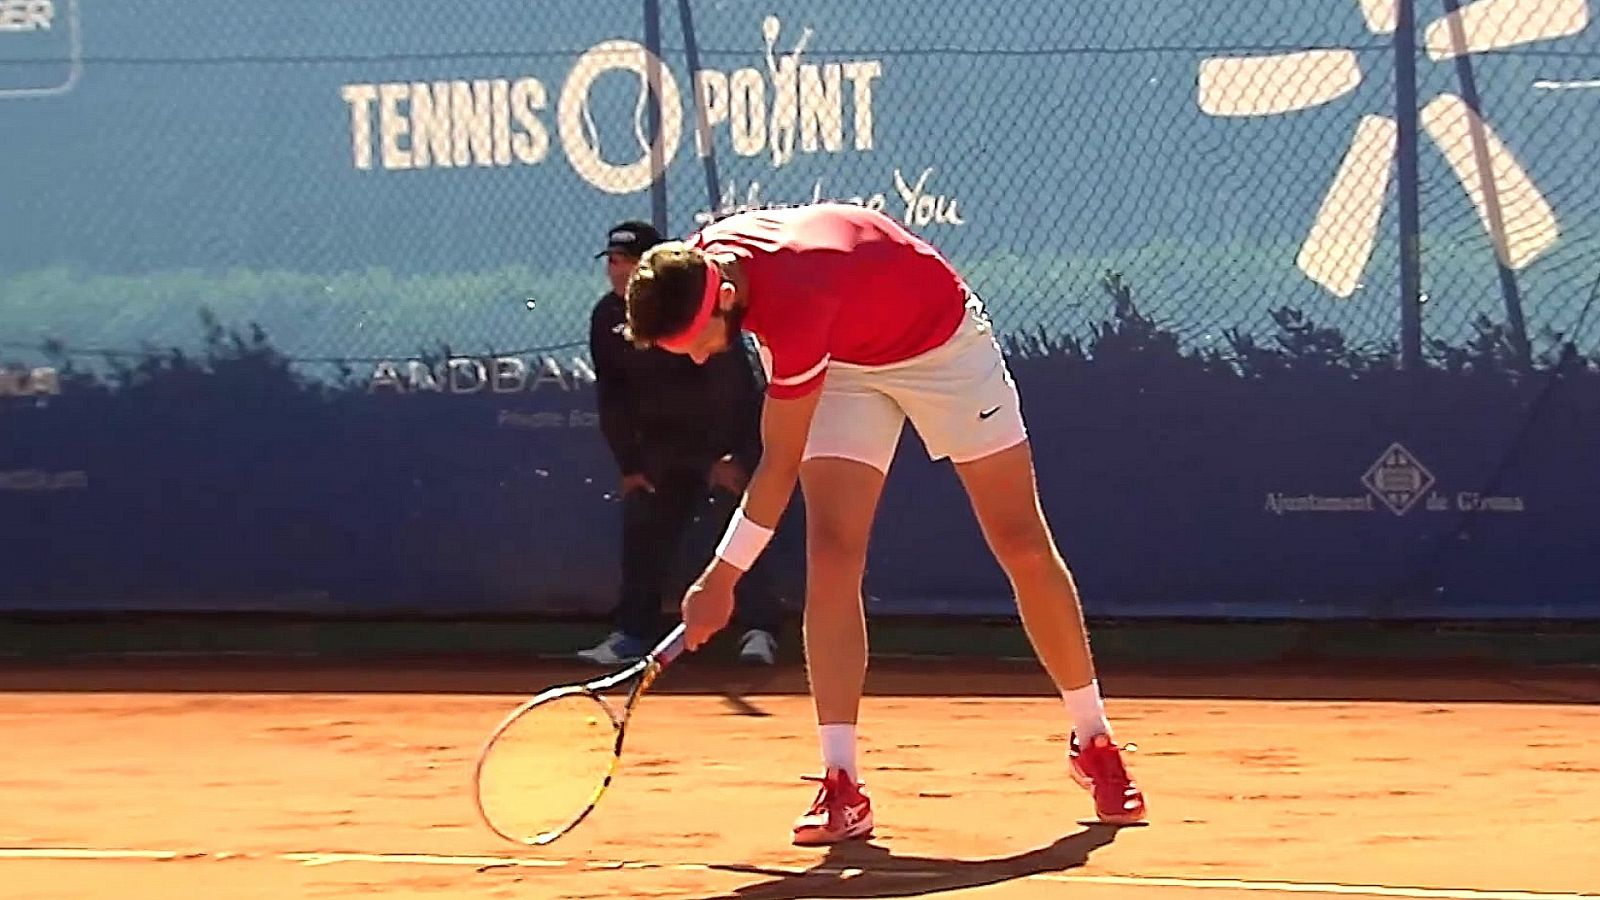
x: 545, y: 768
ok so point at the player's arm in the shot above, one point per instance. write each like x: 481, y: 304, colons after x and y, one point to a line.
x: 785, y: 422
x: 739, y: 431
x: 797, y: 364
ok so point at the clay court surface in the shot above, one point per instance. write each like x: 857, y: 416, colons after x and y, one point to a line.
x: 257, y: 782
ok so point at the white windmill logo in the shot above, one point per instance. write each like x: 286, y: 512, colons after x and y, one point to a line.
x: 1514, y: 213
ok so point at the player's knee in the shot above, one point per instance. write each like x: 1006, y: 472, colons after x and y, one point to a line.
x: 836, y: 552
x: 835, y: 543
x: 1023, y: 546
x: 841, y: 496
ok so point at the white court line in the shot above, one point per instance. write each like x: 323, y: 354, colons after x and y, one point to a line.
x: 87, y: 853
x: 1299, y: 887
x: 1586, y: 84
x: 434, y: 859
x: 421, y: 859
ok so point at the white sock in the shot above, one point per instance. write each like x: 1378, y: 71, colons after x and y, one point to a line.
x: 1087, y: 712
x: 839, y: 748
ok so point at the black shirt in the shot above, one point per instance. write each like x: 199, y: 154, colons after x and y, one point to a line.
x: 661, y: 410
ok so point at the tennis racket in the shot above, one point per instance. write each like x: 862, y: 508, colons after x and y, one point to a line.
x: 544, y: 768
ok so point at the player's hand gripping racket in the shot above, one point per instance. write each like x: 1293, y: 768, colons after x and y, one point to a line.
x: 543, y: 770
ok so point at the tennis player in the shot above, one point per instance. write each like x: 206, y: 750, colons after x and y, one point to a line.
x: 861, y: 325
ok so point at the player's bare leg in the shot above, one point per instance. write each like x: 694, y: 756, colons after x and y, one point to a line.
x: 841, y: 497
x: 1004, y: 495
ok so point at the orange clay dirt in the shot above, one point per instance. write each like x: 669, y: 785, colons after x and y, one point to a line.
x: 253, y: 782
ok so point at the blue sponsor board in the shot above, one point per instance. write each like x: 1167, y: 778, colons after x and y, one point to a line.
x: 1184, y: 219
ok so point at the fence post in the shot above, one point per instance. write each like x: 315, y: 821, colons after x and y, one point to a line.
x: 658, y: 163
x: 691, y: 54
x: 1509, y: 291
x: 1406, y: 115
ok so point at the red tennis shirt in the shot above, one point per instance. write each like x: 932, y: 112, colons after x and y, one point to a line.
x: 836, y: 281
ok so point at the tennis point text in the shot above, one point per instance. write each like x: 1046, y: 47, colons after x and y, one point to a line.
x: 781, y: 109
x: 474, y: 375
x: 26, y: 15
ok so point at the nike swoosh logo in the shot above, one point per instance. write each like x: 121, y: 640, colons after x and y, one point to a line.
x: 988, y: 412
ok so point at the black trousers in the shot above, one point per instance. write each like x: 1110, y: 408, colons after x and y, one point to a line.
x: 668, y: 537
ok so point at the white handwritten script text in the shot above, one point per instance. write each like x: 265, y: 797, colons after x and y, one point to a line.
x: 915, y: 202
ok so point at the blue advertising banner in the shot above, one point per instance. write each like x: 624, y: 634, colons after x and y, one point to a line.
x: 1299, y: 295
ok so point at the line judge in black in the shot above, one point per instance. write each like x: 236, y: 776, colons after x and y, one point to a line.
x: 685, y: 438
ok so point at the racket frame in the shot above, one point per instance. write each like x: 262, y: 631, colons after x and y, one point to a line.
x: 645, y: 670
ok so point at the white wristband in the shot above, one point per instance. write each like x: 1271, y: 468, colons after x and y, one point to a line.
x: 743, y: 541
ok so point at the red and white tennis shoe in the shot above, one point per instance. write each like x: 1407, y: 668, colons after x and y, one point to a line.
x: 1098, y: 768
x: 842, y: 811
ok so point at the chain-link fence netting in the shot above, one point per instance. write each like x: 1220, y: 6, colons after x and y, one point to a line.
x: 378, y: 179
x: 1510, y: 250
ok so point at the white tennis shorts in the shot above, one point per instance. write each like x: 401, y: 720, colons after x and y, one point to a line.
x: 959, y: 396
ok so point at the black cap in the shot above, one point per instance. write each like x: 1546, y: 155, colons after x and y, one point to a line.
x: 632, y: 237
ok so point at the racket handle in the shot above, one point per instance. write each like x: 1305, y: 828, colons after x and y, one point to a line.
x: 670, y: 646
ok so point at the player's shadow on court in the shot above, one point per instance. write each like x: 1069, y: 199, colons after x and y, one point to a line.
x: 863, y: 869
